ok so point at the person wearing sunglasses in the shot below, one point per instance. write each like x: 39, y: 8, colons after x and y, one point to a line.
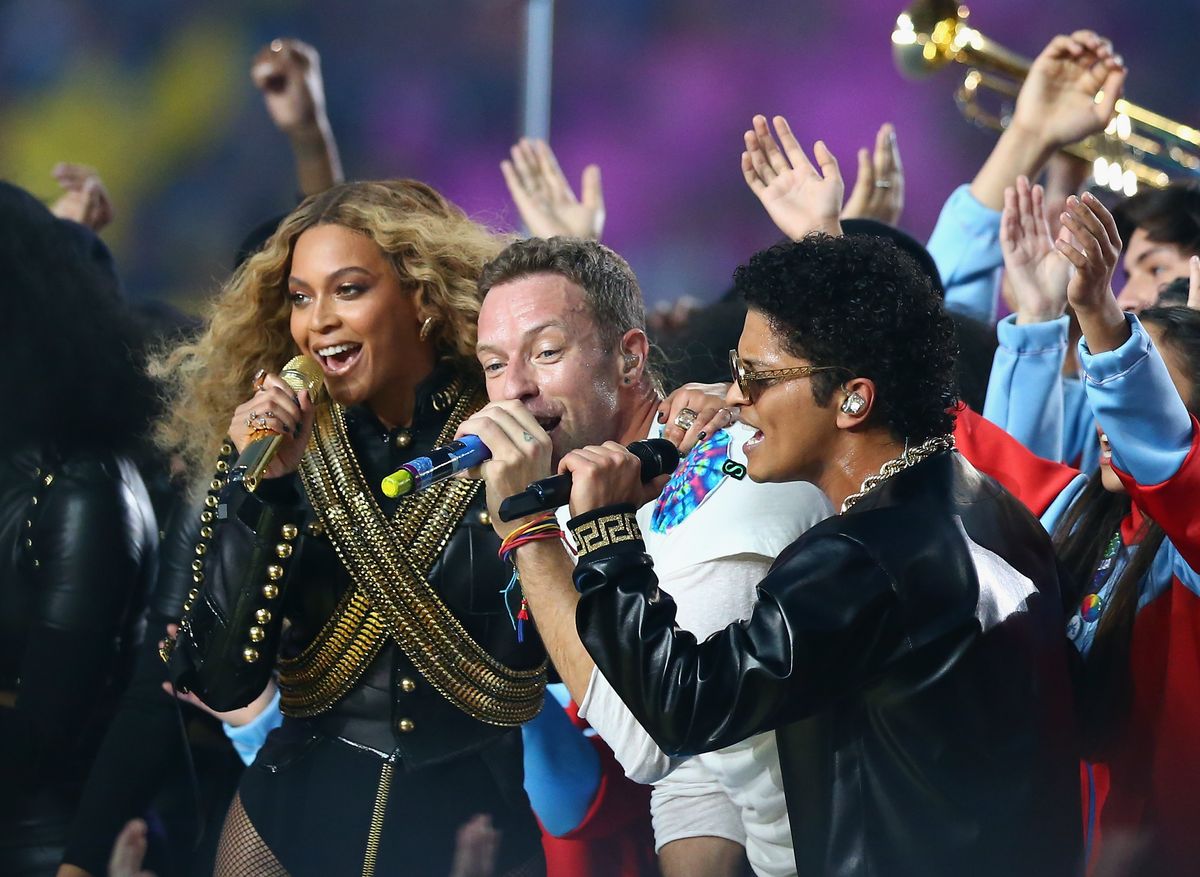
x: 907, y: 652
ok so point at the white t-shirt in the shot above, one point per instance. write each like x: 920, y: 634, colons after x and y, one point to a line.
x: 712, y: 536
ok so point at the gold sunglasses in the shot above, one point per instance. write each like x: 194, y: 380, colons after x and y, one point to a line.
x: 744, y: 377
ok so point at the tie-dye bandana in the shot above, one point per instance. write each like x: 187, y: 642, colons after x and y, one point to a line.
x: 698, y: 476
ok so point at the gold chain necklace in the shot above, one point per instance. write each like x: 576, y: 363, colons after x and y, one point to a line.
x: 910, y: 457
x: 389, y: 559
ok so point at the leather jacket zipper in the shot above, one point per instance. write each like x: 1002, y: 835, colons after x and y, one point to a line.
x: 376, y: 830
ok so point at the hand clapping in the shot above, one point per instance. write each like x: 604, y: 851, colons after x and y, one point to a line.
x: 1094, y: 248
x: 1037, y: 272
x: 544, y: 198
x: 797, y: 197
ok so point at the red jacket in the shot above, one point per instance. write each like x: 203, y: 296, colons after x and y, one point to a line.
x: 1143, y: 799
x: 615, y: 838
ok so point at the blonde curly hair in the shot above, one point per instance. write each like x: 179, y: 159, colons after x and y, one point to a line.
x: 436, y: 250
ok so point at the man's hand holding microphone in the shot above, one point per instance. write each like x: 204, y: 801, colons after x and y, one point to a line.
x: 521, y: 454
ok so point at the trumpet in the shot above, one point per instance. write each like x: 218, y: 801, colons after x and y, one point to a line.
x: 1138, y: 146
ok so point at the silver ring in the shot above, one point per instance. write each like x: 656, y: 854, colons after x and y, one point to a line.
x: 685, y: 419
x: 883, y: 184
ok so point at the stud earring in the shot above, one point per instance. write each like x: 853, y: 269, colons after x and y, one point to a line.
x: 630, y: 360
x: 426, y: 328
x: 854, y: 404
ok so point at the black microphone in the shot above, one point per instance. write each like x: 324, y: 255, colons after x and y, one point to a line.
x: 658, y: 457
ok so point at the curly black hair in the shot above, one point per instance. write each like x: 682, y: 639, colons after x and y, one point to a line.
x: 75, y: 371
x: 861, y: 303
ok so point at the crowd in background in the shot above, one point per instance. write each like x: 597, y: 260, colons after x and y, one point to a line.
x: 103, y: 480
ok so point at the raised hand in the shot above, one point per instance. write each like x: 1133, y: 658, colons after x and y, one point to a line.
x: 1036, y: 271
x: 544, y: 198
x: 879, y: 187
x: 1057, y: 103
x: 797, y: 197
x: 288, y: 73
x: 1094, y: 248
x: 84, y: 199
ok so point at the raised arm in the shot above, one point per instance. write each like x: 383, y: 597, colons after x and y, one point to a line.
x: 1069, y: 94
x: 288, y: 73
x: 1025, y: 394
x: 1057, y: 106
x: 1153, y: 436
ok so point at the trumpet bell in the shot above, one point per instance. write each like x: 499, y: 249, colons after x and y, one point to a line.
x: 1139, y: 146
x: 925, y: 34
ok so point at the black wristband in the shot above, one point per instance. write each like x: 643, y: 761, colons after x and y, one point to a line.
x: 613, y: 527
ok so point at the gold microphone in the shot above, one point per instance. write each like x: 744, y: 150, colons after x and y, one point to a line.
x: 300, y: 373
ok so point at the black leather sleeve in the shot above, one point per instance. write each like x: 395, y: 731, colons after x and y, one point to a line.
x: 94, y: 540
x: 230, y: 630
x: 144, y: 743
x: 826, y: 621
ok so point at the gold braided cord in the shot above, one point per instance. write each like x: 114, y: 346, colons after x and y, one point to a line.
x: 389, y: 561
x: 321, y: 675
x: 910, y: 457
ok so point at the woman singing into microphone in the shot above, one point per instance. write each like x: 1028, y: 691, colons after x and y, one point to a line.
x: 401, y: 678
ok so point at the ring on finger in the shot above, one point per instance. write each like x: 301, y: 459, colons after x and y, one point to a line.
x: 685, y: 419
x: 883, y: 184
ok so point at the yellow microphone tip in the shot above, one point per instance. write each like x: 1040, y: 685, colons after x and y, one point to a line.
x: 397, y: 484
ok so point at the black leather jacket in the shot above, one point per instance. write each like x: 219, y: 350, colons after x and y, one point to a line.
x: 391, y: 710
x: 918, y: 685
x: 142, y: 759
x: 79, y: 544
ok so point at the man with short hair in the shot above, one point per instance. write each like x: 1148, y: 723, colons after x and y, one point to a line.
x: 908, y: 653
x: 564, y: 353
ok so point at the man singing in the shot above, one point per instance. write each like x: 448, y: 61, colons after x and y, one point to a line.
x: 909, y: 651
x: 563, y: 349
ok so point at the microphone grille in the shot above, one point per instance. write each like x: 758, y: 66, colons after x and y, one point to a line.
x: 302, y: 373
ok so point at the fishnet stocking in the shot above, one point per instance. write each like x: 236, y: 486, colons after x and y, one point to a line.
x: 241, y: 852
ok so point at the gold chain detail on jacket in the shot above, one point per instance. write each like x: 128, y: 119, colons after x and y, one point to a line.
x: 389, y: 561
x: 910, y: 457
